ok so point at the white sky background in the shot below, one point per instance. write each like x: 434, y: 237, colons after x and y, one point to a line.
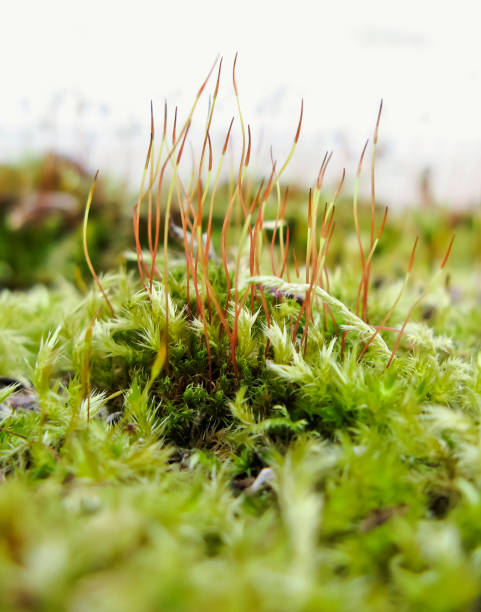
x: 79, y: 76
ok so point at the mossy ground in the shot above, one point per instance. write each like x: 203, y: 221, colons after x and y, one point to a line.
x: 205, y: 430
x: 129, y: 487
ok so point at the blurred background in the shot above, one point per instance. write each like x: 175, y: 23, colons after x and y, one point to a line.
x: 78, y: 79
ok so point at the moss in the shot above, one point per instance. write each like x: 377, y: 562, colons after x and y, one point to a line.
x: 223, y: 434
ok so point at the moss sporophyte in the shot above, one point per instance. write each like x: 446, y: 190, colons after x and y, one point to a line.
x: 261, y: 258
x: 273, y: 403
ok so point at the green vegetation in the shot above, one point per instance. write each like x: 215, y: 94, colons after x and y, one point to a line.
x: 41, y: 207
x: 273, y: 403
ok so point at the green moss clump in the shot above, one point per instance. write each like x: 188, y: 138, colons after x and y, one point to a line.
x: 221, y: 434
